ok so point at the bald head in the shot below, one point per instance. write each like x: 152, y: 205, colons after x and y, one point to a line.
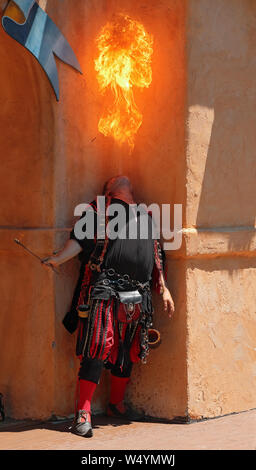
x: 119, y: 187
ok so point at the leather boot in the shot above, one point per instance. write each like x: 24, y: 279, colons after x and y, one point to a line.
x: 129, y: 413
x: 82, y: 425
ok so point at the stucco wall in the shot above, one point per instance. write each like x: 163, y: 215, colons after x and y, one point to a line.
x: 27, y: 213
x: 55, y: 159
x: 156, y: 166
x: 220, y: 209
x: 195, y: 147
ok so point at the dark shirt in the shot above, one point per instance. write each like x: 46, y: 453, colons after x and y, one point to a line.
x: 133, y: 256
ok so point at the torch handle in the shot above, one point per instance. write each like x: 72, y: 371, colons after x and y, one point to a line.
x: 34, y: 254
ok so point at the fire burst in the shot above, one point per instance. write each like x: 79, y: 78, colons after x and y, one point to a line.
x: 124, y: 62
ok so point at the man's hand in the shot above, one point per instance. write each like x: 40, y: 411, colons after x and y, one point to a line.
x: 70, y: 249
x: 168, y: 302
x: 51, y: 261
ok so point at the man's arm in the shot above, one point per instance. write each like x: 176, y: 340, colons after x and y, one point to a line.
x: 167, y: 298
x: 70, y: 250
x: 74, y: 246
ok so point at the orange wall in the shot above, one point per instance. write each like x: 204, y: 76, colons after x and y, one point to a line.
x: 220, y: 210
x: 195, y: 147
x: 53, y: 163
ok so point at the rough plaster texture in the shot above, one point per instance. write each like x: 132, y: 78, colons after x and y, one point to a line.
x: 54, y: 158
x: 219, y: 242
x: 221, y: 303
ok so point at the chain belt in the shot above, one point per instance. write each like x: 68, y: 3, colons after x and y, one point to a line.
x: 120, y: 280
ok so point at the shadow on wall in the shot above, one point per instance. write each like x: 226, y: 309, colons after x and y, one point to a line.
x: 222, y: 104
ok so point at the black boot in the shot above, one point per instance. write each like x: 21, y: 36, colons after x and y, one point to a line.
x: 130, y: 413
x: 82, y: 424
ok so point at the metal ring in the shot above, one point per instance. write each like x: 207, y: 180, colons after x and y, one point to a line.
x: 120, y: 282
x: 126, y: 277
x: 111, y: 272
x: 106, y: 282
x: 93, y: 266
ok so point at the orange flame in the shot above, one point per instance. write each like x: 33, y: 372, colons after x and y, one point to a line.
x: 124, y: 62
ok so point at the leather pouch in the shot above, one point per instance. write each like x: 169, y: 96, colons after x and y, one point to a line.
x: 133, y: 297
x: 129, y: 308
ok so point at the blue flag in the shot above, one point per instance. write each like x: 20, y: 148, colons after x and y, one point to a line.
x: 28, y: 24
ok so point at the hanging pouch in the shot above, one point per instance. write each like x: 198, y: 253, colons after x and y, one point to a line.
x: 129, y: 308
x: 133, y: 297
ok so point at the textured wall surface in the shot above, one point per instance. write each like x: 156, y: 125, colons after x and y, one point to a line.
x: 220, y: 211
x: 27, y: 212
x: 54, y: 159
x: 156, y: 166
x: 195, y: 147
